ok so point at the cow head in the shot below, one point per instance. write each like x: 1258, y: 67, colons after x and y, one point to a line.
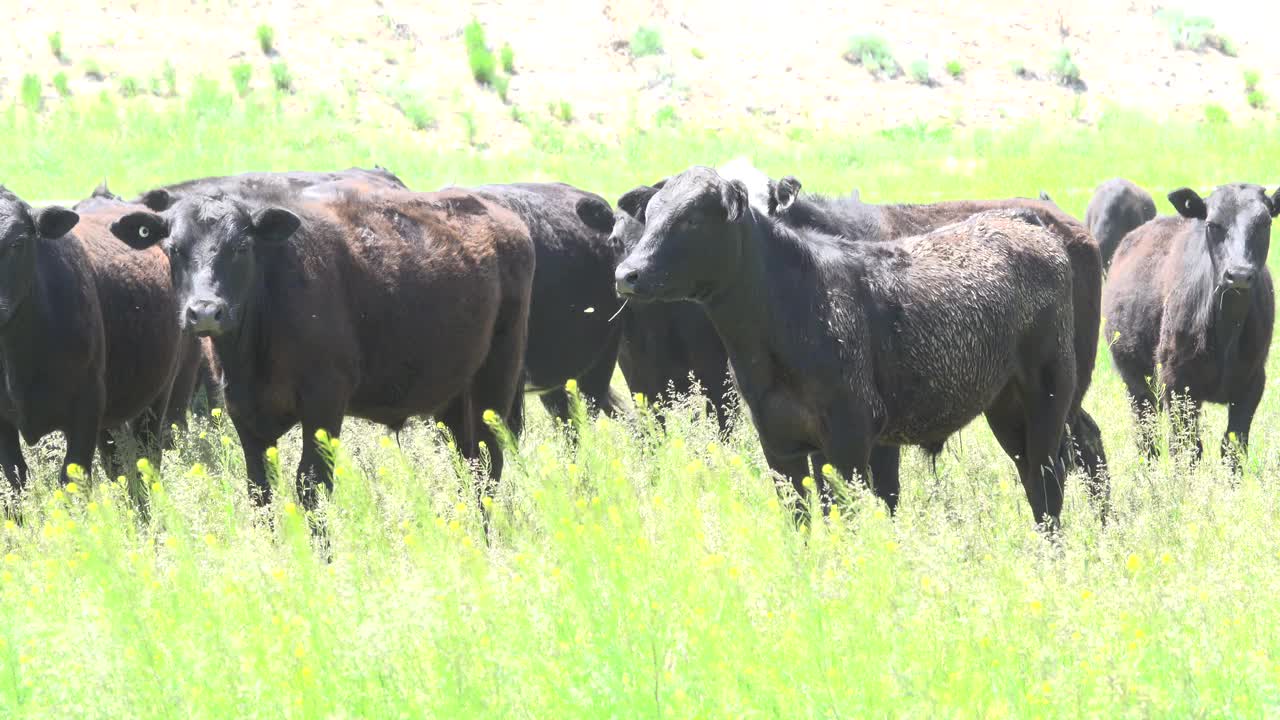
x: 215, y: 245
x: 22, y: 229
x: 692, y: 239
x: 1236, y: 222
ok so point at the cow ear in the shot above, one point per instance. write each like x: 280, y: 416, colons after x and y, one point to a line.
x: 274, y: 224
x: 733, y: 194
x: 783, y: 193
x: 1188, y: 204
x: 157, y: 200
x: 595, y: 213
x: 54, y: 221
x: 635, y: 201
x: 1275, y: 203
x: 140, y: 230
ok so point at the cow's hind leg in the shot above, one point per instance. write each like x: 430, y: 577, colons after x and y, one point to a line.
x: 496, y: 385
x: 1082, y: 447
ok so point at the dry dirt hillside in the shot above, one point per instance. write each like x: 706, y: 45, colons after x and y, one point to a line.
x: 710, y: 63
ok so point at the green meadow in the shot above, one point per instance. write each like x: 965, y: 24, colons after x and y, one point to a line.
x: 632, y: 571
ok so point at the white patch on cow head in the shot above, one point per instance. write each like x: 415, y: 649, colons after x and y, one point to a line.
x: 756, y: 181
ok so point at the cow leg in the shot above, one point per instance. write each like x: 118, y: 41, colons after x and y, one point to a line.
x: 1143, y: 402
x: 314, y: 468
x: 14, y: 464
x: 1046, y: 407
x: 596, y: 383
x: 498, y: 383
x: 255, y: 462
x: 1240, y: 419
x: 794, y: 469
x: 109, y: 452
x: 82, y: 440
x: 1084, y: 445
x: 885, y: 483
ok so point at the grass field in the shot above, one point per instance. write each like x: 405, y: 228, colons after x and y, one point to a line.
x: 637, y: 573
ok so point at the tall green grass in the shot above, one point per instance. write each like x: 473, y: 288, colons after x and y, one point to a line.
x: 639, y: 572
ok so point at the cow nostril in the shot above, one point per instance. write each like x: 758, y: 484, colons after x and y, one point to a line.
x: 632, y: 277
x: 191, y: 315
x: 217, y: 315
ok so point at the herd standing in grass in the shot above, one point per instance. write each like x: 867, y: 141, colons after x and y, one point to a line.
x: 848, y: 329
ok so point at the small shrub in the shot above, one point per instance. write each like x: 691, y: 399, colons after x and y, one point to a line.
x: 666, y: 117
x: 872, y: 53
x: 241, y: 74
x: 473, y: 130
x: 1019, y: 69
x: 281, y: 77
x: 1195, y: 32
x: 61, y: 85
x: 267, y: 39
x: 32, y: 93
x: 1257, y: 99
x: 697, y: 54
x: 157, y: 86
x: 479, y: 56
x: 1251, y: 78
x: 562, y: 111
x: 414, y: 108
x: 1065, y: 70
x: 955, y: 69
x: 645, y: 42
x: 920, y: 72
x: 129, y: 86
x: 92, y: 71
x: 55, y: 45
x: 1216, y: 115
x: 170, y: 75
x: 508, y: 57
x: 501, y: 84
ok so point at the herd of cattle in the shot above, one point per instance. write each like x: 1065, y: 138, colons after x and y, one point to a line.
x: 848, y: 329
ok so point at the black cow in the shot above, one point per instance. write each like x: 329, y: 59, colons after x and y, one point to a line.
x: 1190, y: 306
x: 669, y: 348
x: 837, y: 345
x: 1117, y: 208
x: 570, y: 330
x: 851, y: 218
x: 89, y: 337
x: 382, y: 305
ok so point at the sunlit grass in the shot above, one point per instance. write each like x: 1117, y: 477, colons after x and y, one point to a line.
x: 636, y: 572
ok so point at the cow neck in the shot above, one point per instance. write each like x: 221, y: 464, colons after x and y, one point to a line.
x: 753, y: 315
x: 1227, y: 323
x: 22, y: 339
x: 239, y: 352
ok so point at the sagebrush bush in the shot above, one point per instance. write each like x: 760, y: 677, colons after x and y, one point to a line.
x: 32, y: 93
x: 955, y: 69
x: 872, y: 52
x: 1064, y: 69
x: 241, y: 76
x: 646, y: 41
x: 920, y: 72
x: 61, y: 85
x: 55, y: 45
x: 508, y: 56
x: 129, y: 86
x: 479, y: 56
x: 281, y: 77
x: 266, y: 39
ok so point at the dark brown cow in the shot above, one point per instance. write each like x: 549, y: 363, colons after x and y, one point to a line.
x: 89, y: 337
x: 1190, y: 308
x: 1117, y: 208
x: 381, y: 305
x: 837, y: 346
